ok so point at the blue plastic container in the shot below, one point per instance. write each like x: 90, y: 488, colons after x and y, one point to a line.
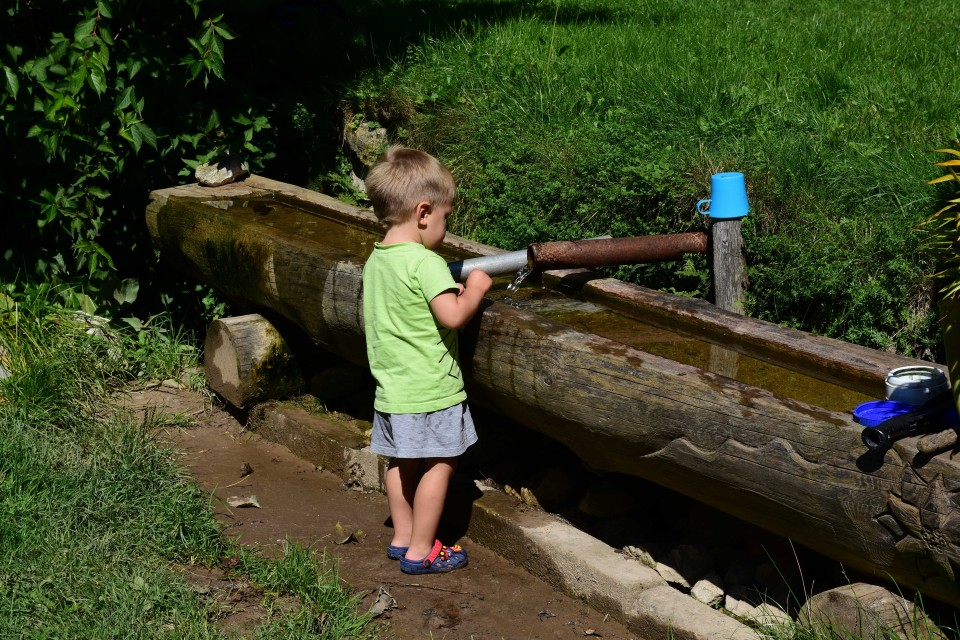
x: 874, y: 412
x: 728, y: 196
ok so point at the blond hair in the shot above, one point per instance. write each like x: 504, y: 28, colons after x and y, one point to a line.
x: 401, y: 178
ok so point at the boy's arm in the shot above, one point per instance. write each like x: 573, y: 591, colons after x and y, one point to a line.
x: 453, y: 309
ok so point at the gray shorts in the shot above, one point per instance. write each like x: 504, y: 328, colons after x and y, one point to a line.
x: 439, y: 434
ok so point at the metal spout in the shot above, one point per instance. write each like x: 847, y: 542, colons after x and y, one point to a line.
x: 496, y: 265
x: 592, y: 252
x: 603, y: 252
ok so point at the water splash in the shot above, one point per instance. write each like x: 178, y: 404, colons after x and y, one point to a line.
x: 514, y: 286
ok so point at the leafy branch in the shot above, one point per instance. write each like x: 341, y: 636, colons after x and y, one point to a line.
x: 91, y: 121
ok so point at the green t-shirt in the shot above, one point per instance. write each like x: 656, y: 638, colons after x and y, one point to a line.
x: 412, y: 356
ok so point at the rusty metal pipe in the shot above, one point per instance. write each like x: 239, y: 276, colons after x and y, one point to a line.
x: 603, y: 252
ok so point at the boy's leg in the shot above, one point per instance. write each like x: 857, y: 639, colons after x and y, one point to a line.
x: 401, y: 485
x: 428, y: 505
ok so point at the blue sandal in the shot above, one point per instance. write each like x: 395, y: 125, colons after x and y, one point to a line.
x: 440, y: 560
x: 395, y: 553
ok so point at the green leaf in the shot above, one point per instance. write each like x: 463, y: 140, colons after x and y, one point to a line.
x: 216, y: 65
x: 145, y: 133
x: 97, y: 192
x: 84, y: 28
x: 216, y: 47
x: 135, y: 140
x: 106, y: 34
x: 98, y: 81
x: 223, y: 33
x: 127, y: 291
x: 13, y: 84
x: 124, y: 100
x: 77, y: 78
x: 104, y: 9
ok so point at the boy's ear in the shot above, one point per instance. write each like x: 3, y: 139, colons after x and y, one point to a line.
x: 422, y: 209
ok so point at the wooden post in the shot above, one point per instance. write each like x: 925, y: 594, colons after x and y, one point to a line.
x: 728, y: 268
x: 246, y: 361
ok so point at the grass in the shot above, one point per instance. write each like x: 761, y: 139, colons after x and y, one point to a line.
x: 572, y: 118
x: 93, y: 514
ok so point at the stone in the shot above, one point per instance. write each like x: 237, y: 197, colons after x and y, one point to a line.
x: 692, y: 561
x: 365, y: 141
x: 224, y: 171
x: 867, y: 611
x: 641, y: 554
x: 751, y: 606
x: 708, y: 590
x: 672, y: 576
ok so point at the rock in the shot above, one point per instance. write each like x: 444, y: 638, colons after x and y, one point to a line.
x: 671, y: 575
x: 867, y: 611
x: 765, y: 613
x: 692, y: 561
x: 226, y: 170
x: 365, y: 141
x: 641, y: 554
x: 708, y: 590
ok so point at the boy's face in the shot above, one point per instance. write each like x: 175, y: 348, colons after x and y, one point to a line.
x: 433, y: 224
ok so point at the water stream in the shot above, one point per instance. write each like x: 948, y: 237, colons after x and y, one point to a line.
x: 514, y: 286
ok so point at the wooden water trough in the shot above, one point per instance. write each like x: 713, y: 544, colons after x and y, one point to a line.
x: 743, y: 415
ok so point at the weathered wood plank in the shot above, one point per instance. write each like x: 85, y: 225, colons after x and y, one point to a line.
x: 793, y: 468
x: 729, y: 278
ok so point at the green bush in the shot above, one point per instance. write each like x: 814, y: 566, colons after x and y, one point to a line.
x: 94, y: 511
x: 100, y: 102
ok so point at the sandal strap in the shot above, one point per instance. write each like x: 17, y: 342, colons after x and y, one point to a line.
x: 437, y: 549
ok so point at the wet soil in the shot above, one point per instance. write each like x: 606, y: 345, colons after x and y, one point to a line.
x: 491, y: 598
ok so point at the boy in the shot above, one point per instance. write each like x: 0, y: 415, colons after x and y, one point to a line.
x: 412, y: 309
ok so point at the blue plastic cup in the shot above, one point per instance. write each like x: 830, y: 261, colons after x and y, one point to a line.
x: 728, y: 196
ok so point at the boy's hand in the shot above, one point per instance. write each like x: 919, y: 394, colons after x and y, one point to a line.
x: 479, y: 279
x: 453, y: 310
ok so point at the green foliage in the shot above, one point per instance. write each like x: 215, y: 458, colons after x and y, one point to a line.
x: 943, y: 227
x: 102, y: 101
x: 328, y: 608
x: 569, y: 119
x: 93, y: 511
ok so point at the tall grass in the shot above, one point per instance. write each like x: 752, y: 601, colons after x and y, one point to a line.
x: 93, y: 512
x: 570, y: 118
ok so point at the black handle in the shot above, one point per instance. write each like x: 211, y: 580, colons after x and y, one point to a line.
x: 927, y: 417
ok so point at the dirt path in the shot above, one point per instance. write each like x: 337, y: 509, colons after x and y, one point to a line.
x: 491, y: 598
